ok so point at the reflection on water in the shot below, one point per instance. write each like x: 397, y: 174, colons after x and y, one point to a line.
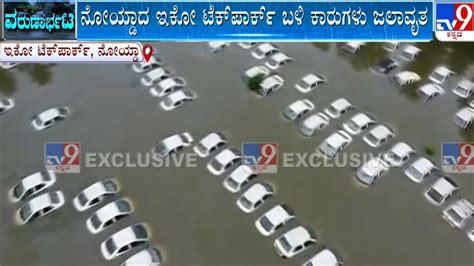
x: 40, y: 74
x: 366, y: 57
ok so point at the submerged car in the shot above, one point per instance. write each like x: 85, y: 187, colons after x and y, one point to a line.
x: 173, y: 144
x: 325, y: 257
x: 144, y: 66
x: 255, y: 71
x: 352, y: 47
x: 154, y: 76
x: 386, y: 65
x: 390, y: 46
x: 294, y: 242
x: 270, y: 84
x: 410, y: 52
x: 420, y: 169
x: 358, y: 123
x: 458, y: 213
x: 335, y: 143
x: 167, y: 86
x: 405, y: 78
x: 217, y: 46
x: 6, y: 104
x: 441, y: 190
x: 177, y: 99
x: 124, y: 240
x: 247, y: 45
x: 378, y: 136
x: 263, y: 50
x: 274, y: 219
x: 298, y: 109
x: 430, y: 91
x: 398, y: 154
x: 440, y: 74
x: 40, y: 206
x: 239, y: 178
x: 150, y: 256
x: 109, y: 214
x: 313, y: 123
x: 95, y: 194
x: 31, y: 185
x: 210, y: 143
x: 372, y: 170
x: 310, y: 82
x: 278, y: 60
x: 8, y: 65
x: 254, y: 197
x: 224, y: 160
x: 464, y: 117
x: 464, y: 88
x: 338, y: 108
x: 50, y: 118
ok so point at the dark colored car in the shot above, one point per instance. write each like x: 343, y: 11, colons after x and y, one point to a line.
x: 386, y: 65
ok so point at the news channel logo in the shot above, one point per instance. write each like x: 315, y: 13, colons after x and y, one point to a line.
x: 63, y: 157
x: 262, y: 157
x: 455, y: 21
x: 457, y: 157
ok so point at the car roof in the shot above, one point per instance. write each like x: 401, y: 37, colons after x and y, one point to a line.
x: 361, y: 119
x: 40, y: 202
x: 169, y: 82
x: 96, y: 189
x: 299, y: 106
x: 269, y: 82
x: 266, y: 47
x: 212, y: 139
x: 32, y: 180
x: 313, y: 78
x: 315, y: 120
x: 241, y: 173
x: 411, y: 49
x: 227, y: 155
x: 109, y: 211
x: 297, y: 236
x: 324, y: 258
x: 431, y: 89
x: 157, y: 72
x: 341, y: 104
x: 180, y: 95
x: 381, y: 131
x: 280, y: 57
x: 173, y: 141
x: 463, y: 207
x: 49, y: 114
x: 127, y: 235
x: 144, y: 257
x: 444, y: 186
x: 374, y: 166
x: 256, y: 192
x: 278, y: 214
x: 465, y: 83
x: 336, y: 139
x: 401, y: 149
x: 442, y: 70
x: 423, y: 165
x: 405, y: 75
x: 466, y: 114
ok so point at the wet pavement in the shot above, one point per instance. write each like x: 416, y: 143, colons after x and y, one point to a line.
x: 193, y: 219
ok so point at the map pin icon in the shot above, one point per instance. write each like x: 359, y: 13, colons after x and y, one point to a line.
x: 147, y: 52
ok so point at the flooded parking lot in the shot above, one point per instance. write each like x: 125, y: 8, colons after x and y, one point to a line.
x: 193, y: 219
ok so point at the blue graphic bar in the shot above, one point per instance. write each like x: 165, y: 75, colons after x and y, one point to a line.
x: 196, y: 20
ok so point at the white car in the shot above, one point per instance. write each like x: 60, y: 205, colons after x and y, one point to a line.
x: 470, y: 235
x: 358, y: 123
x: 95, y: 194
x: 177, y: 99
x: 50, y: 117
x: 109, y: 214
x: 217, y: 46
x: 239, y: 178
x: 167, y: 86
x: 441, y: 190
x: 173, y: 144
x: 254, y: 197
x: 298, y: 109
x: 405, y: 78
x: 310, y: 82
x: 325, y: 257
x: 274, y: 219
x: 124, y: 240
x: 464, y: 117
x: 255, y: 71
x: 420, y: 169
x: 247, y: 45
x: 155, y: 76
x: 398, y: 154
x: 464, y: 88
x: 294, y: 241
x: 315, y: 122
x: 224, y: 160
x: 141, y: 67
x: 430, y: 91
x: 338, y: 108
x: 440, y: 74
x: 390, y: 46
x: 6, y: 104
x: 410, y: 52
x: 40, y: 206
x: 277, y: 60
x: 458, y: 213
x: 263, y: 50
x: 210, y: 143
x: 148, y: 257
x: 270, y: 84
x: 371, y: 171
x: 335, y: 143
x: 378, y: 136
x: 352, y: 47
x: 31, y: 185
x: 8, y: 65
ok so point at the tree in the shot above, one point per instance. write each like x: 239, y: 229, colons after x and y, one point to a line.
x: 254, y: 82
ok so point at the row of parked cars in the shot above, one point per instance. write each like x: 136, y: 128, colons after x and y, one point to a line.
x: 223, y: 159
x: 163, y: 84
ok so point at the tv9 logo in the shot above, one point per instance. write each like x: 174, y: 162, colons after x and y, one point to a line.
x: 64, y: 157
x: 455, y: 22
x: 262, y: 157
x: 458, y: 157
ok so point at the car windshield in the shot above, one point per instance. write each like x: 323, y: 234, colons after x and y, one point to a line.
x: 140, y: 231
x: 435, y: 195
x: 161, y: 149
x: 232, y: 183
x: 46, y: 176
x: 459, y: 121
x: 352, y: 125
x: 266, y: 224
x: 333, y: 110
x: 364, y: 176
x: 289, y: 113
x: 303, y: 84
x: 259, y: 52
x: 54, y: 198
x: 168, y: 101
x: 201, y: 147
x: 461, y: 90
x: 246, y: 203
x: 5, y: 102
x: 25, y: 212
x: 95, y: 221
x: 306, y: 130
x: 413, y: 172
x: 82, y: 198
x: 454, y: 215
x: 18, y: 190
x: 110, y: 245
x: 123, y: 206
x: 273, y: 62
x: 394, y: 156
x: 38, y: 121
x: 216, y: 164
x: 63, y: 111
x: 285, y: 244
x: 372, y: 139
x: 110, y: 186
x: 437, y: 76
x: 327, y: 149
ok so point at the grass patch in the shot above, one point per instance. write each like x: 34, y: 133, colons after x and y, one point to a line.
x: 429, y: 150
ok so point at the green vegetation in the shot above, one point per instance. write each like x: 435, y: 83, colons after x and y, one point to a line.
x: 254, y: 83
x: 429, y: 150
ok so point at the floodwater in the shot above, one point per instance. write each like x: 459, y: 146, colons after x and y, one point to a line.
x: 193, y: 219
